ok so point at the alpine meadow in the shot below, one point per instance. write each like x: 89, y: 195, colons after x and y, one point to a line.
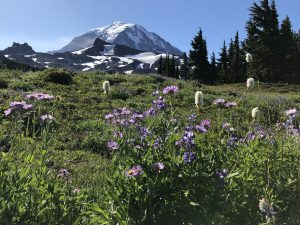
x: 120, y: 127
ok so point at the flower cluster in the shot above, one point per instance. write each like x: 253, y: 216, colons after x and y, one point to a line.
x: 124, y: 117
x: 189, y: 157
x: 63, y: 173
x: 203, y: 127
x: 39, y: 96
x: 222, y: 102
x: 112, y: 145
x: 170, y: 90
x: 266, y: 208
x: 17, y: 107
x: 159, y: 103
x: 135, y: 171
x: 250, y: 83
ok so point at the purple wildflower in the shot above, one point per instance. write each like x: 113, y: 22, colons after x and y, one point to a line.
x: 40, y: 96
x: 160, y: 103
x: 189, y: 157
x: 170, y: 90
x: 118, y: 134
x: 201, y: 129
x: 63, y: 173
x: 291, y: 113
x: 135, y: 171
x: 158, y: 167
x: 230, y: 104
x: 192, y: 117
x: 205, y: 124
x: 150, y: 112
x: 219, y: 101
x: 112, y: 145
x: 17, y: 106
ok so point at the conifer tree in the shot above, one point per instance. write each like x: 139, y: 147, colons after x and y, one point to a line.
x: 172, y: 68
x: 213, y: 68
x: 199, y: 60
x: 160, y: 66
x: 223, y: 63
x: 184, y: 69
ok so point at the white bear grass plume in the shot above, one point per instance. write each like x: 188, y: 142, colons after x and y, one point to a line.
x: 250, y: 83
x: 106, y: 87
x: 249, y: 58
x: 199, y: 98
x: 255, y: 113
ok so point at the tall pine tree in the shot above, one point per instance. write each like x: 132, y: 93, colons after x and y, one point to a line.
x: 223, y: 64
x: 199, y: 59
x: 184, y: 68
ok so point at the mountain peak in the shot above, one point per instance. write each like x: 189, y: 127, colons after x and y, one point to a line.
x: 120, y: 33
x: 18, y: 48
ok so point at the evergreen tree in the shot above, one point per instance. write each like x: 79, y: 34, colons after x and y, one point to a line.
x: 199, y: 60
x: 223, y: 63
x: 213, y: 68
x: 166, y: 64
x: 263, y: 41
x: 177, y: 72
x: 288, y: 49
x: 231, y: 53
x: 184, y: 69
x: 238, y: 62
x: 160, y: 66
x: 172, y: 69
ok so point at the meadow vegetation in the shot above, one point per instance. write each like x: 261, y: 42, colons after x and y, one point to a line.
x: 143, y: 153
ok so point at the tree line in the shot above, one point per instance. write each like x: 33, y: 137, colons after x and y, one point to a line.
x: 270, y: 53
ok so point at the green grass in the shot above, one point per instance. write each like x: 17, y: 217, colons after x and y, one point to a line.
x: 77, y: 140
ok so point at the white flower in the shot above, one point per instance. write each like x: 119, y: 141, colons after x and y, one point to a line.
x: 255, y: 112
x: 199, y: 98
x: 249, y: 58
x: 106, y: 87
x: 250, y: 83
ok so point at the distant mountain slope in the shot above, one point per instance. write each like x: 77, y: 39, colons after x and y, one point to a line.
x: 127, y: 34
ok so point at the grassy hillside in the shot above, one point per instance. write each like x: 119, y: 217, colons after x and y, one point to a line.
x: 232, y: 169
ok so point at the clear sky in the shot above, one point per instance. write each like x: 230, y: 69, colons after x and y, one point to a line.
x: 50, y: 24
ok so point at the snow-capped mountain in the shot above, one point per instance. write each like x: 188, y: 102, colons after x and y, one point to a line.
x: 101, y: 55
x: 128, y: 34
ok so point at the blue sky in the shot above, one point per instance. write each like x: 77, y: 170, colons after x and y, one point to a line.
x: 50, y: 24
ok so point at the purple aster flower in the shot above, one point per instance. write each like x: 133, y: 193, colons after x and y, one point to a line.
x: 47, y: 117
x: 205, y: 124
x: 226, y: 126
x: 17, y: 107
x: 170, y: 90
x: 63, y: 173
x: 160, y: 103
x: 230, y: 104
x: 291, y: 113
x: 112, y: 145
x: 40, y: 96
x: 192, y: 117
x: 158, y: 167
x: 189, y: 157
x: 118, y: 134
x: 135, y: 171
x: 150, y: 112
x: 219, y: 101
x: 201, y: 129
